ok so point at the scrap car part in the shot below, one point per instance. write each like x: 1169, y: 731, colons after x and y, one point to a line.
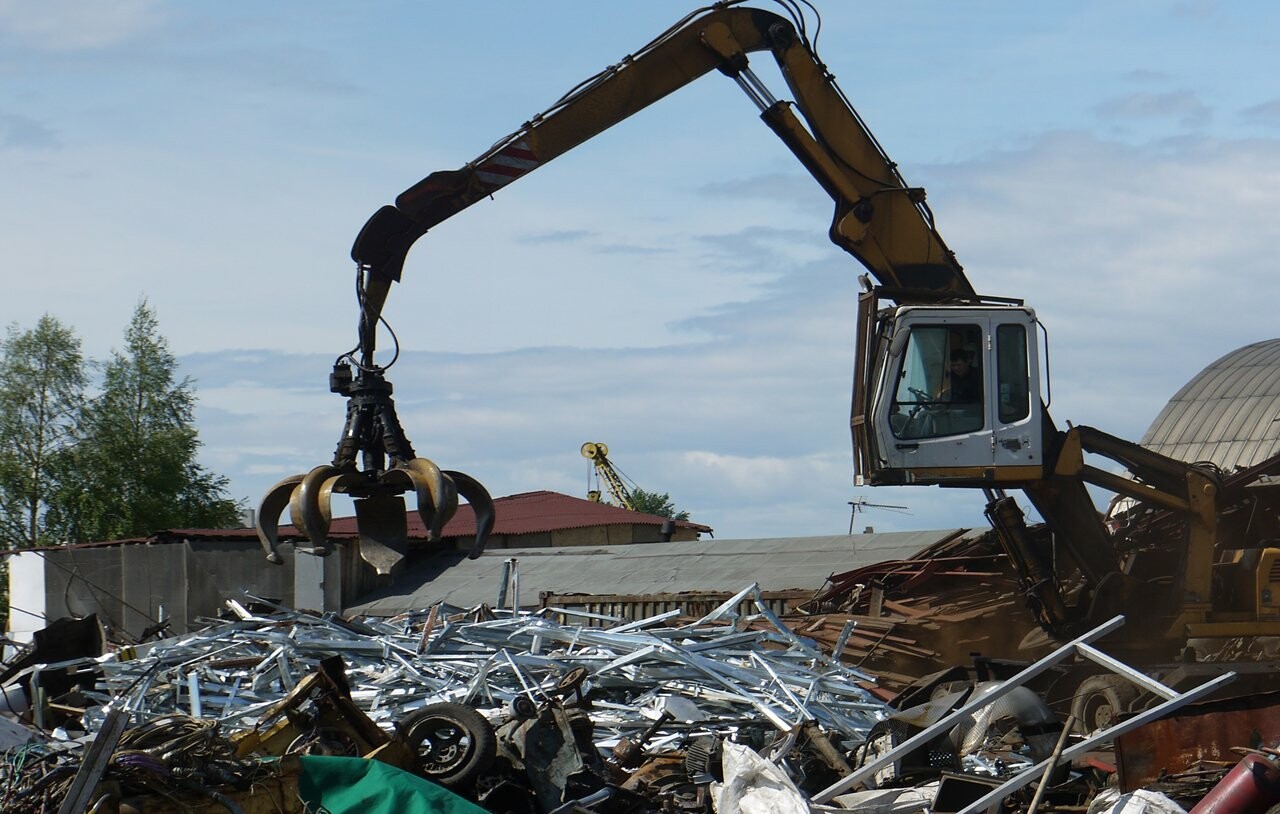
x: 455, y: 744
x: 1251, y: 787
x: 665, y: 778
x: 319, y: 715
x: 556, y: 752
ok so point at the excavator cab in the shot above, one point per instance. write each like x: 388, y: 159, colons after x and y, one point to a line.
x: 949, y: 394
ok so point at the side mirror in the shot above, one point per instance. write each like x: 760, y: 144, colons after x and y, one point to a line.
x: 899, y: 341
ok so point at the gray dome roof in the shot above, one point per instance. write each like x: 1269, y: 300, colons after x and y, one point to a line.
x: 1228, y: 414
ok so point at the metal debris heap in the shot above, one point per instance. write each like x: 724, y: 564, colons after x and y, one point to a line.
x: 542, y: 713
x: 711, y: 678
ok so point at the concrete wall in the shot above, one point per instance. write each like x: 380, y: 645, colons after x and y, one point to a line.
x: 539, y: 540
x: 132, y: 587
x: 651, y: 534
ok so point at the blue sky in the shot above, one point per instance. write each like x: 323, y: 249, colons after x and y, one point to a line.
x: 667, y: 287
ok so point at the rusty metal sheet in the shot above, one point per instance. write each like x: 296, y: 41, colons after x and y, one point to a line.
x: 1198, y: 732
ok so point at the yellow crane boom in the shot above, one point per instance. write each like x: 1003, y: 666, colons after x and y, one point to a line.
x: 598, y: 454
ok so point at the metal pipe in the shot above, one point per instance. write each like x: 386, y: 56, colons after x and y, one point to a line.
x: 1053, y: 762
x: 504, y: 580
x: 1251, y: 787
x: 869, y: 769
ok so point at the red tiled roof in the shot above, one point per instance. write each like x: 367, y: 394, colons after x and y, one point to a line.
x: 530, y: 513
x: 524, y: 513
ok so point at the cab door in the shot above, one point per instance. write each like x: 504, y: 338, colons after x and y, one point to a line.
x: 926, y: 419
x: 1016, y: 393
x: 959, y: 396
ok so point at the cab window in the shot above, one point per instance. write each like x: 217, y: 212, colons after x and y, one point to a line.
x: 939, y: 388
x: 1013, y: 375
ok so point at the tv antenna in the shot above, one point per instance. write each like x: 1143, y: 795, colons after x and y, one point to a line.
x: 861, y: 504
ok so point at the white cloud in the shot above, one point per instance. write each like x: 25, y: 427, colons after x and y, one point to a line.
x: 76, y: 25
x: 668, y: 287
x: 758, y: 475
x: 1145, y: 263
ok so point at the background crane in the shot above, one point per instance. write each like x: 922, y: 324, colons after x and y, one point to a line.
x: 598, y: 454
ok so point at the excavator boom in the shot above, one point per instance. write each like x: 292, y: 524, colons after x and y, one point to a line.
x: 878, y: 219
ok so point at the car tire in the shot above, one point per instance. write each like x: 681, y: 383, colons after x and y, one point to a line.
x: 454, y: 743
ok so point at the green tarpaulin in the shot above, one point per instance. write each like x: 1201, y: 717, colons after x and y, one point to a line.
x: 349, y: 785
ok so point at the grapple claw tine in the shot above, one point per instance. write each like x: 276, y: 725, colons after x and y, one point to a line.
x: 336, y: 483
x: 442, y: 495
x: 481, y: 504
x: 309, y: 513
x: 446, y: 509
x: 384, y: 533
x: 267, y: 522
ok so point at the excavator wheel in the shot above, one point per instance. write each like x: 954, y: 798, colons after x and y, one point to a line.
x: 1099, y: 701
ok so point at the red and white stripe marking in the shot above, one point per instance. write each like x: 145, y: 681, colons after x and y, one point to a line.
x: 508, y: 164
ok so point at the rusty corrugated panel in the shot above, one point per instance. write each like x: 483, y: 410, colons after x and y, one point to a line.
x: 643, y: 606
x: 1195, y: 733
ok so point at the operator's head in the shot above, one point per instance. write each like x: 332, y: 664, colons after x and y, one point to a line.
x: 960, y: 361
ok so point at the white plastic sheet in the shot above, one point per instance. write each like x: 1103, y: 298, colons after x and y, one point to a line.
x: 1111, y: 801
x: 753, y: 785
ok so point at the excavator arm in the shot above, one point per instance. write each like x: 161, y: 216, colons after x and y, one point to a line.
x: 878, y: 219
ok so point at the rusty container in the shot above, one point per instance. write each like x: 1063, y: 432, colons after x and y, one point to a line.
x: 1251, y: 787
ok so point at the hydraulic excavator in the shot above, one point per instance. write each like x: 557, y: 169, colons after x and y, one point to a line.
x: 878, y: 219
x: 920, y: 323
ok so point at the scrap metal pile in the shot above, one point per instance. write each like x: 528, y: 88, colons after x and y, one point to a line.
x: 518, y: 712
x: 706, y: 673
x: 914, y: 616
x: 521, y: 711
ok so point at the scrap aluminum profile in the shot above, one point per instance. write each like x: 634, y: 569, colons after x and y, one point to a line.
x: 723, y: 679
x: 1076, y: 647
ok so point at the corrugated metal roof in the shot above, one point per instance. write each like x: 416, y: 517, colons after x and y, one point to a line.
x: 1229, y: 413
x: 776, y: 564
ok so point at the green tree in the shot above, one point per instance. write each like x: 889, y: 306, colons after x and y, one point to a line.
x: 658, y: 503
x: 135, y: 458
x: 42, y: 382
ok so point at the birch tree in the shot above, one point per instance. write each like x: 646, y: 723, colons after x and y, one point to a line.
x: 42, y: 383
x: 135, y: 457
